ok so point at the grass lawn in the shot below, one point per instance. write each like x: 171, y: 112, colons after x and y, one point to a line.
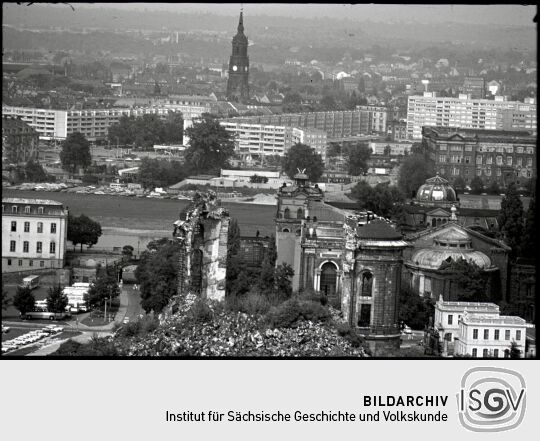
x: 22, y: 352
x: 95, y: 318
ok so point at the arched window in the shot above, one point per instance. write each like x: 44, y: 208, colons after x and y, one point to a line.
x: 40, y: 210
x: 286, y: 230
x: 367, y: 284
x: 299, y: 214
x: 287, y: 213
x: 328, y: 279
x: 433, y: 222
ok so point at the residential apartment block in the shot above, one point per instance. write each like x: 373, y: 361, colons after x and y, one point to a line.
x: 493, y: 155
x: 465, y: 112
x: 92, y: 123
x: 336, y: 124
x: 34, y: 234
x: 259, y: 140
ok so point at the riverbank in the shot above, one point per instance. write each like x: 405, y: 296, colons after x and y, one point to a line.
x: 149, y: 217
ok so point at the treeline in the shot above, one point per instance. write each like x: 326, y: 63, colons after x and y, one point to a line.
x: 147, y: 130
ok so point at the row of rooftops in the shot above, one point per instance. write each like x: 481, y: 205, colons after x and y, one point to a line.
x: 478, y: 135
x: 24, y: 201
x: 481, y: 313
x: 502, y: 320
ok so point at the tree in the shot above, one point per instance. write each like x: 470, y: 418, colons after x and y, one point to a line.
x: 157, y: 274
x: 255, y: 179
x: 470, y: 279
x: 358, y: 155
x: 282, y: 282
x: 83, y: 230
x: 56, y: 300
x: 477, y: 185
x: 528, y: 243
x: 413, y: 173
x: 333, y: 150
x: 515, y: 352
x: 146, y: 130
x: 233, y: 238
x: 510, y: 219
x: 6, y: 301
x: 383, y: 199
x: 105, y: 287
x: 210, y: 146
x: 127, y: 252
x: 460, y: 184
x: 301, y: 156
x: 75, y: 152
x: 34, y: 172
x: 24, y: 300
x: 494, y: 188
x: 414, y: 310
x: 328, y: 103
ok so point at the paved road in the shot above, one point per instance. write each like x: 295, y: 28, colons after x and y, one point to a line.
x: 134, y: 302
x: 129, y: 307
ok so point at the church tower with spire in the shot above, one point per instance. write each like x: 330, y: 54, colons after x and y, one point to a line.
x: 238, y: 82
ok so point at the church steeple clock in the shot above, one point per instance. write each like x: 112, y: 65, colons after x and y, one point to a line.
x: 238, y: 82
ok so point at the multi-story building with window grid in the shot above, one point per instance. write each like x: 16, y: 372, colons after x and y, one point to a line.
x: 92, y: 123
x: 477, y: 329
x: 467, y: 113
x: 34, y: 234
x: 485, y: 336
x: 493, y: 155
x: 259, y: 140
x: 336, y: 124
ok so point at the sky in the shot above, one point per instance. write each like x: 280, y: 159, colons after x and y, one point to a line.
x: 436, y: 13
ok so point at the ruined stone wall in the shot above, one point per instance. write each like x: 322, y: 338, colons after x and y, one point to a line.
x: 203, y: 229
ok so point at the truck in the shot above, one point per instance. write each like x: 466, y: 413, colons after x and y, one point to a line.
x: 30, y: 282
x: 76, y: 297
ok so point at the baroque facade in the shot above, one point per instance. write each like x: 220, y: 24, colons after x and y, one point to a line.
x: 350, y: 258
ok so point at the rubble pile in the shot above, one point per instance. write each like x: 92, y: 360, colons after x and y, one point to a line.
x: 235, y: 334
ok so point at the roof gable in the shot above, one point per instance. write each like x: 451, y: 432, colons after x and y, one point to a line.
x: 438, y: 212
x: 432, y: 233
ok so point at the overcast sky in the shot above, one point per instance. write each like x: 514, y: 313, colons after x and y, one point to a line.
x: 484, y: 14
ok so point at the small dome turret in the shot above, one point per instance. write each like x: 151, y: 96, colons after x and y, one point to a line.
x: 436, y: 191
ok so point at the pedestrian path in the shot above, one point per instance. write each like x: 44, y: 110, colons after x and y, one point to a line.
x: 53, y: 347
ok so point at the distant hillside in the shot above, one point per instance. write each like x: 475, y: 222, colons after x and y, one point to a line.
x: 322, y: 32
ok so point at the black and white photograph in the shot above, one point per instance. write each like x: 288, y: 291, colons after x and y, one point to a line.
x: 268, y: 181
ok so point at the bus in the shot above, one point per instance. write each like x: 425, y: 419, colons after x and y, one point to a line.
x: 40, y: 313
x: 30, y: 282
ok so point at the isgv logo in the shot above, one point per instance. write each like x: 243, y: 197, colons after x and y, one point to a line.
x: 491, y: 399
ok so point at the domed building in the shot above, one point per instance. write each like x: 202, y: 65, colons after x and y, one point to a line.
x: 434, y: 247
x: 433, y: 205
x: 436, y: 192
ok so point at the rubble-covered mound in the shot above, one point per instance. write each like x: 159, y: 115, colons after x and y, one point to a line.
x: 198, y: 329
